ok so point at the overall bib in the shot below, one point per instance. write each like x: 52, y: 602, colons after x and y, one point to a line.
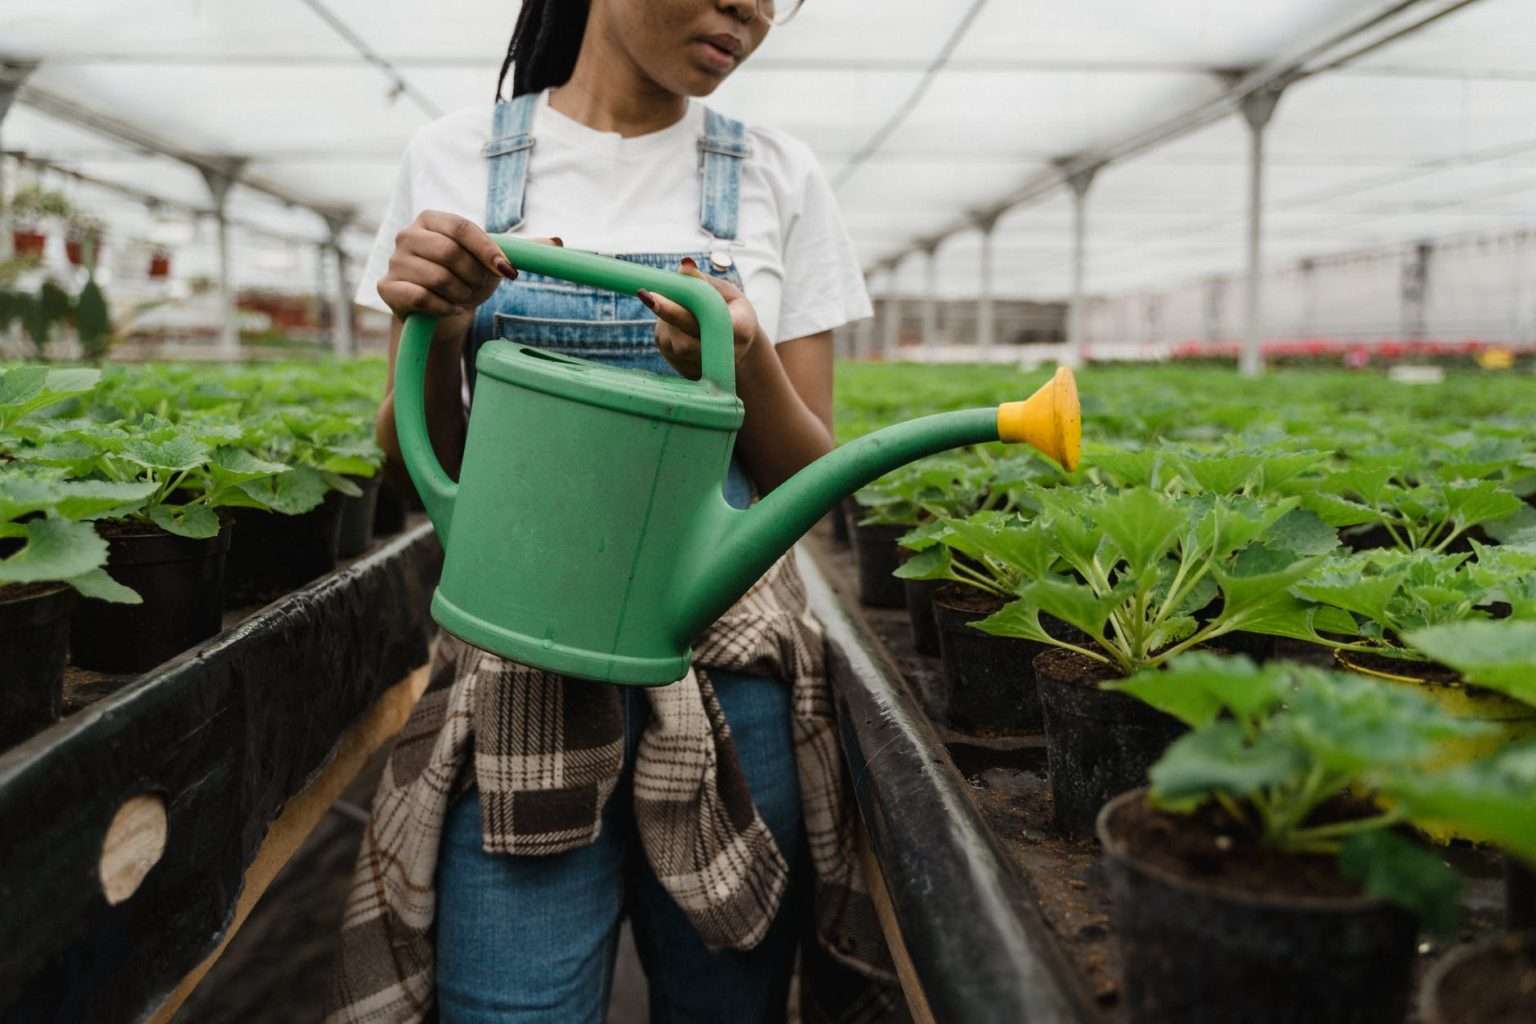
x: 533, y: 939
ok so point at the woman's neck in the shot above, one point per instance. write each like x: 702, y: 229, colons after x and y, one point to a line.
x: 608, y: 92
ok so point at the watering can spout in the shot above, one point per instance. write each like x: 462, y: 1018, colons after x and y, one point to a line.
x: 747, y: 542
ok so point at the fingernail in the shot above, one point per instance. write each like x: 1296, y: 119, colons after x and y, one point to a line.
x: 689, y: 264
x: 647, y: 298
x: 506, y: 270
x: 558, y: 241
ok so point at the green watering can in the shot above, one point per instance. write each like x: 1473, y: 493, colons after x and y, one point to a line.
x: 589, y: 533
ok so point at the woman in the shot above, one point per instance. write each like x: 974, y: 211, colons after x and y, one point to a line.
x: 680, y: 807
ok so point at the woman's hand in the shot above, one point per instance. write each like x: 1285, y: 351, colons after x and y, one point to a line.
x: 445, y: 266
x: 677, y: 331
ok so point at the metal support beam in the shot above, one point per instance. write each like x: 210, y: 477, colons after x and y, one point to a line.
x: 343, y: 343
x: 864, y: 332
x: 135, y: 137
x: 1077, y: 318
x: 219, y: 182
x: 1415, y: 291
x: 890, y: 333
x: 1328, y: 52
x: 986, y: 311
x: 10, y: 84
x: 1257, y: 108
x: 931, y: 296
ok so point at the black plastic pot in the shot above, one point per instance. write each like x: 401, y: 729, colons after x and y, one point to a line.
x: 1098, y: 743
x: 1519, y: 895
x: 182, y: 583
x: 34, y: 645
x: 389, y: 511
x: 1192, y: 951
x: 875, y: 550
x: 1489, y: 982
x: 273, y: 554
x: 357, y: 515
x: 925, y: 630
x: 990, y: 679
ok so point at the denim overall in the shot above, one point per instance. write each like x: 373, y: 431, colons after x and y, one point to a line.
x: 592, y: 323
x: 532, y: 939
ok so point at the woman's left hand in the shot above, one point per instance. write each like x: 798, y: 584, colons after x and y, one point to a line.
x: 677, y: 331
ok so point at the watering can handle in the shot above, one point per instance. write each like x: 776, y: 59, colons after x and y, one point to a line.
x: 699, y: 298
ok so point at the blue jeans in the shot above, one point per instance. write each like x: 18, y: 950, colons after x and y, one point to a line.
x: 531, y: 940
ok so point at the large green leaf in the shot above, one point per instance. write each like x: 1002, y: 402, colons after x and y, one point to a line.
x: 26, y: 389
x: 1500, y: 655
x: 55, y: 549
x: 1197, y: 687
x: 1144, y: 526
x: 174, y: 455
x: 1493, y: 799
x: 1220, y: 759
x: 198, y: 522
x: 98, y: 585
x: 292, y: 493
x: 1392, y: 868
x: 69, y: 499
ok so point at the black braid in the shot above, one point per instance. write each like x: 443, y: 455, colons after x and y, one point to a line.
x: 544, y: 45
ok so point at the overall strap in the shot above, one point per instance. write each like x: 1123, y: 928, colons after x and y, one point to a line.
x: 508, y: 151
x: 722, y: 149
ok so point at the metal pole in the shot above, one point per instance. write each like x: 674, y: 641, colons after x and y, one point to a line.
x: 864, y: 333
x: 931, y: 297
x: 1077, y: 320
x: 10, y: 85
x: 219, y: 183
x: 891, y: 329
x: 342, y: 342
x: 1257, y: 109
x: 986, y: 311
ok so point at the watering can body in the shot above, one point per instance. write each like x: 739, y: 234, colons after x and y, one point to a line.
x: 588, y: 533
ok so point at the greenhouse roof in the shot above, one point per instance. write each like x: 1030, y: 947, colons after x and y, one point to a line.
x: 927, y: 116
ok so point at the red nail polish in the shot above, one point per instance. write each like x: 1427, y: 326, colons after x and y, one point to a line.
x: 558, y: 241
x: 647, y: 298
x: 506, y: 270
x: 688, y: 262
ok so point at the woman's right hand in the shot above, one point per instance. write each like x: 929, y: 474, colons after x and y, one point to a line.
x: 443, y: 265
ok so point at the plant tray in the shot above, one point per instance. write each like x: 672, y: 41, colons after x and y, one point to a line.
x: 221, y: 737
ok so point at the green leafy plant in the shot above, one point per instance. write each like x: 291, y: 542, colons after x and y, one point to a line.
x: 27, y: 389
x: 1283, y: 748
x: 190, y: 467
x: 57, y: 545
x: 1150, y: 575
x: 1385, y: 594
x: 1418, y: 507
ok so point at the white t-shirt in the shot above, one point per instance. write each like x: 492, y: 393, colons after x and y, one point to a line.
x: 601, y: 192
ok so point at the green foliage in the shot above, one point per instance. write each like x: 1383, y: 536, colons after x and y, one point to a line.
x: 1277, y: 745
x: 1496, y: 655
x: 197, y: 439
x: 57, y: 545
x: 1388, y: 594
x: 1143, y: 568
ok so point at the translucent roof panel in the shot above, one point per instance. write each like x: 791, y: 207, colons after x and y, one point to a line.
x: 1424, y: 136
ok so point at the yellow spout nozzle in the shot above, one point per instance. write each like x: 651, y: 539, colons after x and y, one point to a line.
x: 1050, y: 420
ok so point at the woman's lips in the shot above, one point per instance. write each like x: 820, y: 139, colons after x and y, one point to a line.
x: 717, y: 54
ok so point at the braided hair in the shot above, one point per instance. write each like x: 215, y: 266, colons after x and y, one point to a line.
x: 544, y: 45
